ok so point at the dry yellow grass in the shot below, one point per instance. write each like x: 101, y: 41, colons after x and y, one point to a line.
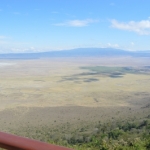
x: 39, y: 83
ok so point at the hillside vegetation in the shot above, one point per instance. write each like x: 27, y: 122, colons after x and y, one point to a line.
x: 132, y: 134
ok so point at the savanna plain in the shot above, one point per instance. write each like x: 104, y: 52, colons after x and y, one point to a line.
x: 83, y: 103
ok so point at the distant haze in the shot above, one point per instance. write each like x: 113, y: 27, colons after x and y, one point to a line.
x: 80, y: 52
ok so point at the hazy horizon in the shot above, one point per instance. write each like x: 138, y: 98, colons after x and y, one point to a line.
x: 76, y: 49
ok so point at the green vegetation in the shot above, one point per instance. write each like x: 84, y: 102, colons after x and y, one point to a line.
x: 105, y: 71
x: 113, y: 136
x: 115, y: 71
x: 119, y: 134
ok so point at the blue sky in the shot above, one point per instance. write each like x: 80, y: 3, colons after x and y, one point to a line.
x: 45, y: 25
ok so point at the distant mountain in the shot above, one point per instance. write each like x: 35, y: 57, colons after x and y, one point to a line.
x: 79, y: 52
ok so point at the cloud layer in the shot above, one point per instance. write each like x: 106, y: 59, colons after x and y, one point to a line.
x: 77, y: 23
x: 142, y: 27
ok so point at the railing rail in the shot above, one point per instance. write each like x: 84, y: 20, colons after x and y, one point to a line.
x: 13, y: 142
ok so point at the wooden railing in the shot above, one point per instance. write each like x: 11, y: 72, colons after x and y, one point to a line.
x: 13, y: 142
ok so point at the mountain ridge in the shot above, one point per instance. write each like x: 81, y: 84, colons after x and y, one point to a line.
x: 78, y: 52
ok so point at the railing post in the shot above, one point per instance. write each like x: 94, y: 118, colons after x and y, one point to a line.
x: 13, y: 142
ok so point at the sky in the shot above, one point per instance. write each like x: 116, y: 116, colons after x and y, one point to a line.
x: 46, y: 25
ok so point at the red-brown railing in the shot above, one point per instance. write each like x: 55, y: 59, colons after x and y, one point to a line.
x: 13, y: 142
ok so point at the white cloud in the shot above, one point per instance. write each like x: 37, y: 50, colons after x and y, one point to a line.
x: 2, y: 37
x: 140, y: 27
x: 3, y: 40
x: 77, y: 23
x: 23, y: 49
x: 113, y: 45
x: 32, y: 48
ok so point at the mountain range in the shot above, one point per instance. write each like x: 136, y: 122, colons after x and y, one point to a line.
x: 79, y: 52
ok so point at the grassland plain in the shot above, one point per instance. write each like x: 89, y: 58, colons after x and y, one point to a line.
x: 61, y: 98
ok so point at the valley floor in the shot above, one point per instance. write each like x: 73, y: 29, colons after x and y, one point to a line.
x: 58, y: 101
